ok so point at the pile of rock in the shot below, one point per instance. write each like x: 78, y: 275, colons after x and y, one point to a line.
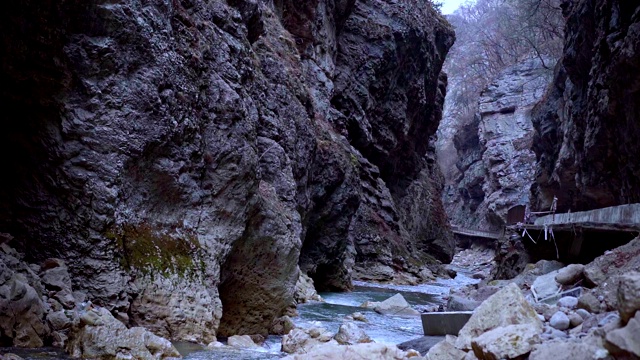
x: 302, y: 341
x: 38, y: 307
x: 545, y: 313
x: 96, y: 334
x: 350, y: 342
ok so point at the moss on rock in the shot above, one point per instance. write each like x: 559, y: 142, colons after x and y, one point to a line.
x: 153, y: 251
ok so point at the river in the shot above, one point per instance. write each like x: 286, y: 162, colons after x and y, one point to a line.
x: 329, y: 314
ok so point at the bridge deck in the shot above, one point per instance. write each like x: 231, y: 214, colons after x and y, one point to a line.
x: 476, y: 233
x: 615, y: 218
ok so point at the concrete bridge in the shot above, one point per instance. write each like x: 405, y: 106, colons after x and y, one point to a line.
x: 476, y: 233
x: 581, y: 236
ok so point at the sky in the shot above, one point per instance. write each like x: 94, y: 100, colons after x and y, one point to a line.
x: 450, y: 5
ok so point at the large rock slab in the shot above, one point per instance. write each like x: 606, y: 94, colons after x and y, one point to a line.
x: 506, y: 307
x: 55, y: 275
x: 506, y: 342
x: 241, y: 342
x: 395, y: 305
x: 421, y: 344
x: 625, y: 342
x: 445, y: 350
x: 629, y: 295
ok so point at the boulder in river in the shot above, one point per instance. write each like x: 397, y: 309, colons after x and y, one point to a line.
x: 241, y: 342
x: 395, y: 305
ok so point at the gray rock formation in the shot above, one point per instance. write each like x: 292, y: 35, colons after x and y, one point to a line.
x: 98, y: 335
x: 189, y: 156
x: 506, y: 307
x: 495, y: 155
x: 587, y: 133
x: 22, y: 310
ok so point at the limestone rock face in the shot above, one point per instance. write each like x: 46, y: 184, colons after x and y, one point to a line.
x: 175, y: 307
x: 496, y: 159
x: 587, y: 126
x: 215, y: 147
x: 506, y: 307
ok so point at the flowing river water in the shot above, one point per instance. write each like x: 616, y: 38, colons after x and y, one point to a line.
x: 329, y: 314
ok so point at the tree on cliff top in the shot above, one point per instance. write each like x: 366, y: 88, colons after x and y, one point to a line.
x: 494, y: 34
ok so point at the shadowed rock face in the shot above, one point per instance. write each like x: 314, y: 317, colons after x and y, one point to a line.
x: 588, y: 136
x: 210, y: 148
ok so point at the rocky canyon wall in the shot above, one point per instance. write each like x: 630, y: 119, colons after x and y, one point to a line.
x: 496, y: 162
x: 588, y: 132
x: 188, y: 157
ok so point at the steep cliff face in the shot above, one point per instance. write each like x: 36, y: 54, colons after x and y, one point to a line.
x: 188, y: 157
x: 588, y: 134
x: 496, y: 159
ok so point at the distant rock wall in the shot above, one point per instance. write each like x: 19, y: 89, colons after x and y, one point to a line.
x: 495, y: 155
x: 588, y: 133
x: 188, y: 157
